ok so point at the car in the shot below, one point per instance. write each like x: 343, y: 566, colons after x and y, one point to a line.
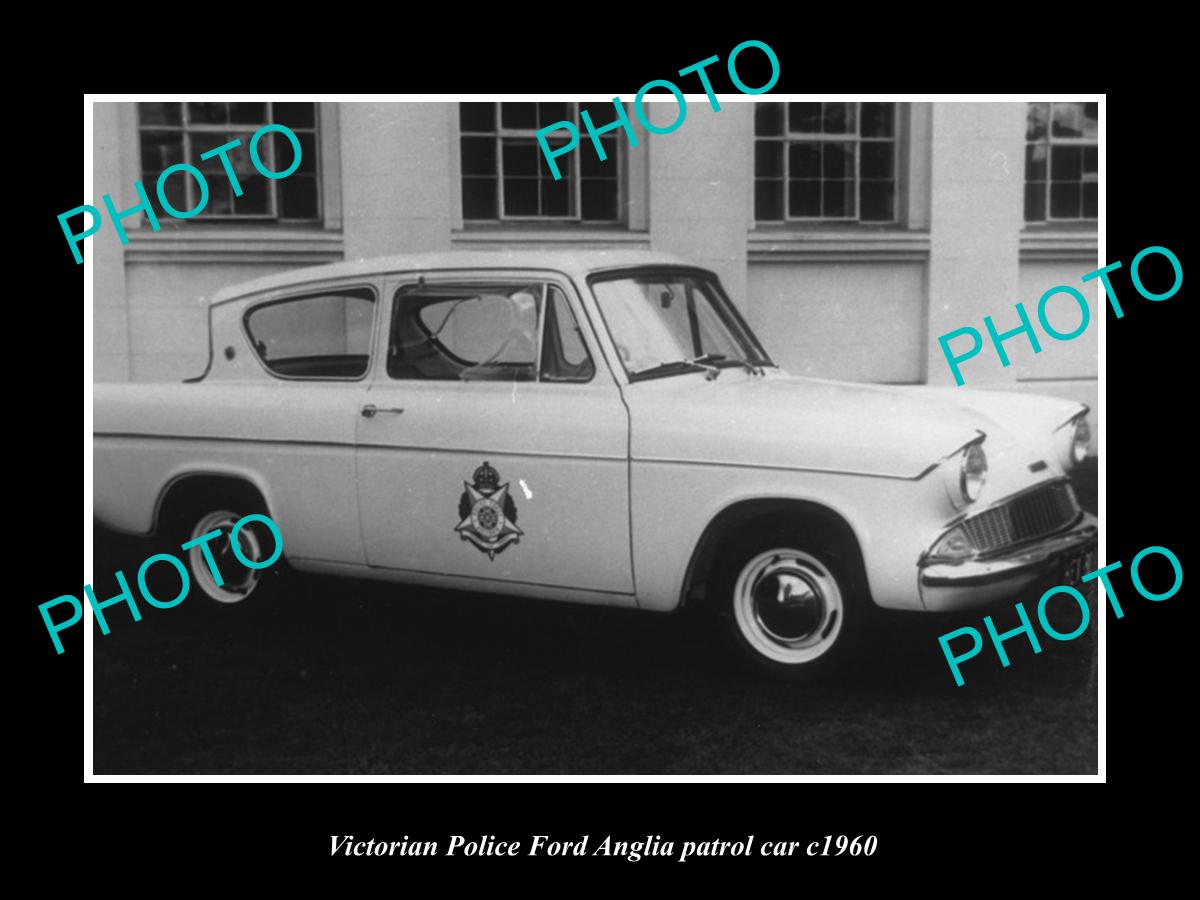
x: 593, y: 426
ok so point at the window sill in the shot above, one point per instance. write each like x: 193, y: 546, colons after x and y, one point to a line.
x: 564, y: 235
x: 267, y: 244
x: 1060, y: 241
x: 788, y: 244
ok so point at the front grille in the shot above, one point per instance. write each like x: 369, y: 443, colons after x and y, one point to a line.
x: 1024, y: 518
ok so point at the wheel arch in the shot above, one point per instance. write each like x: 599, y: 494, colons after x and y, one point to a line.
x: 760, y: 512
x: 187, y: 486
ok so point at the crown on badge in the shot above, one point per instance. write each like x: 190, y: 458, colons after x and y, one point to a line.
x: 486, y: 478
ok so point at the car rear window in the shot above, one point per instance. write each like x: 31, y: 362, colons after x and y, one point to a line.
x: 325, y: 335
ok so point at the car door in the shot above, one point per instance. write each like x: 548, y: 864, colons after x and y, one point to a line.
x: 493, y: 443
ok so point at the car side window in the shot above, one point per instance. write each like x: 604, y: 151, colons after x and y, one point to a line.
x: 565, y: 356
x: 322, y: 335
x: 485, y: 332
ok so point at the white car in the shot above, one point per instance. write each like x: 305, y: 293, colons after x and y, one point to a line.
x: 589, y: 426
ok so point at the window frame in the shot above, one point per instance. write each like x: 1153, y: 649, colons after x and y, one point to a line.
x: 500, y: 133
x: 246, y: 131
x: 482, y: 282
x: 1049, y: 141
x: 330, y: 290
x: 789, y: 137
x: 730, y: 315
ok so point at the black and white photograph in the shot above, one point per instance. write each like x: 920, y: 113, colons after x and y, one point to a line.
x: 737, y: 434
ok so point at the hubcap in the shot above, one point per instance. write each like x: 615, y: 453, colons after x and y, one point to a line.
x: 238, y: 579
x: 788, y: 606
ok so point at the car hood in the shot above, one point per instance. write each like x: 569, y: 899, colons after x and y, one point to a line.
x: 786, y: 421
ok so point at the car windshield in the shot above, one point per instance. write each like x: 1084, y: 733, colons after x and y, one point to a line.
x: 671, y: 323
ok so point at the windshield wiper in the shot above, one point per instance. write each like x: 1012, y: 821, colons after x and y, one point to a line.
x: 744, y: 363
x: 677, y: 366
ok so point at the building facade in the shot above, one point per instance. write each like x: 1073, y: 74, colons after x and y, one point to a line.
x: 851, y: 235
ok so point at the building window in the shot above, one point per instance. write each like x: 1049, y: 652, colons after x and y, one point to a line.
x: 1061, y: 168
x: 173, y: 133
x: 825, y: 162
x: 505, y: 176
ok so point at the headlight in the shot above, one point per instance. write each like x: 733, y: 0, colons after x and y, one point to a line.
x: 1081, y: 437
x: 974, y: 473
x: 954, y: 544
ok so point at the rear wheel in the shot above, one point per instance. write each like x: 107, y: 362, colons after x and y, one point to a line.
x: 228, y: 579
x: 788, y: 605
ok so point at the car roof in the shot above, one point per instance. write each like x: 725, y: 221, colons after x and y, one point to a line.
x: 570, y: 262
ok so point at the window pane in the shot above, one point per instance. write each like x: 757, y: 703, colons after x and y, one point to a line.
x: 1090, y: 162
x: 207, y: 113
x: 839, y: 199
x: 768, y: 200
x: 239, y: 160
x: 1064, y: 200
x: 278, y: 154
x: 477, y: 117
x: 479, y: 198
x: 518, y: 115
x: 838, y: 118
x: 521, y: 157
x: 160, y: 113
x: 877, y: 199
x: 175, y: 187
x: 328, y: 336
x: 878, y: 119
x: 1066, y: 163
x: 1091, y: 121
x: 878, y: 159
x: 599, y: 200
x: 590, y: 162
x: 285, y: 153
x: 478, y: 156
x: 556, y: 198
x: 804, y: 117
x: 565, y: 162
x: 768, y: 118
x: 1067, y: 120
x: 804, y: 160
x: 296, y: 115
x: 804, y: 199
x: 254, y: 199
x: 1035, y: 201
x: 160, y: 149
x: 520, y: 196
x: 1090, y: 197
x: 1035, y: 162
x: 564, y: 354
x: 550, y: 113
x: 465, y: 333
x: 298, y: 197
x: 768, y: 158
x: 837, y: 160
x: 248, y: 113
x: 1035, y: 121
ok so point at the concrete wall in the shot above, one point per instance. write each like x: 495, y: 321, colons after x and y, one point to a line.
x: 848, y: 302
x: 845, y: 320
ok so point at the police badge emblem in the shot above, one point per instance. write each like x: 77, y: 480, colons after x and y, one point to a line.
x: 488, y: 513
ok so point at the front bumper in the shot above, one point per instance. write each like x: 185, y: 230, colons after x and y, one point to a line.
x: 1020, y: 573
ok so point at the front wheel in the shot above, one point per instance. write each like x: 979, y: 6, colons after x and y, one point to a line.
x: 787, y: 609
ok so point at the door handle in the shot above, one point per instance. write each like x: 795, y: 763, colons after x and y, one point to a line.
x: 371, y: 409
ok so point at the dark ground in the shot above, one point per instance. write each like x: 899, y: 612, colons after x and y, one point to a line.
x: 338, y: 676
